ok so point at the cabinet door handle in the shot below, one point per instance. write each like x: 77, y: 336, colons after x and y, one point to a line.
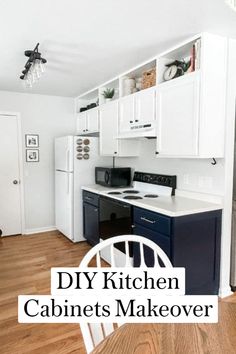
x: 96, y: 209
x: 88, y: 198
x: 147, y: 220
x: 131, y: 121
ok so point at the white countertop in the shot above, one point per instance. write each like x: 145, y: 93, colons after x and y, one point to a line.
x: 170, y: 206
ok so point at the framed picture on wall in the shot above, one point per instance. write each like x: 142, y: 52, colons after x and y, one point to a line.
x: 32, y: 155
x: 31, y: 140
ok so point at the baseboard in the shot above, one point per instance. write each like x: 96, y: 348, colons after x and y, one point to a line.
x: 39, y: 230
x: 225, y: 292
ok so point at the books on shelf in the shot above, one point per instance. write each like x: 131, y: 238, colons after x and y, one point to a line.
x: 194, y: 57
x: 197, y: 46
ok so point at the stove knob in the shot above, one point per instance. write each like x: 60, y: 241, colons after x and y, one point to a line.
x: 168, y: 181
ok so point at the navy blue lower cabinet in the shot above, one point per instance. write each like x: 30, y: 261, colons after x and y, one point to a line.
x: 191, y: 241
x: 161, y: 240
x: 91, y: 218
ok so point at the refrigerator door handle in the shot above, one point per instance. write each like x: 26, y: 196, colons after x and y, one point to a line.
x: 67, y: 159
x: 68, y: 183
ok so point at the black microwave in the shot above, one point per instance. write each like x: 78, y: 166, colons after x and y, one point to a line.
x: 113, y: 177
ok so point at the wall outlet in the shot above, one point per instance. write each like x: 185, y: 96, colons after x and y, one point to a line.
x: 186, y: 179
x: 205, y: 182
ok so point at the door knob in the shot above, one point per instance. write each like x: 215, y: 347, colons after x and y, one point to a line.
x: 15, y: 181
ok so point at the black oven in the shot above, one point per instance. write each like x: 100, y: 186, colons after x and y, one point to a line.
x: 115, y: 219
x: 113, y: 177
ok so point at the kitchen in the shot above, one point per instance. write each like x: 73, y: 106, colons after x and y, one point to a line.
x: 120, y: 143
x: 186, y: 165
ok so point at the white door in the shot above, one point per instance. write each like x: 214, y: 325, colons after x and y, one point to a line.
x: 178, y: 117
x: 81, y: 123
x: 64, y: 202
x: 126, y: 114
x: 92, y: 120
x: 109, y: 129
x: 145, y: 102
x: 10, y: 195
x: 64, y: 153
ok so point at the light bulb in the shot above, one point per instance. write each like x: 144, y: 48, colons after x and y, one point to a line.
x: 42, y: 67
x: 37, y: 68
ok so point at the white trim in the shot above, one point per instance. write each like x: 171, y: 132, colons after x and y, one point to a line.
x: 225, y: 292
x: 228, y: 171
x: 39, y: 230
x: 21, y: 167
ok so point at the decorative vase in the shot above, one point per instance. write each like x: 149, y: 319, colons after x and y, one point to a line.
x: 108, y: 100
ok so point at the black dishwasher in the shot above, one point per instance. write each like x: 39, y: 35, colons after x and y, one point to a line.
x: 115, y: 219
x: 91, y: 217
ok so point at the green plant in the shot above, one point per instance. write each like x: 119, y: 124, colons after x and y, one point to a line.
x: 108, y: 93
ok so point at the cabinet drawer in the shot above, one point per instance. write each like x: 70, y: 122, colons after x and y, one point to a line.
x: 153, y: 221
x: 162, y: 241
x: 91, y: 198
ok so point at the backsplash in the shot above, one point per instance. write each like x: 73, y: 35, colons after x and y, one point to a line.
x: 196, y: 175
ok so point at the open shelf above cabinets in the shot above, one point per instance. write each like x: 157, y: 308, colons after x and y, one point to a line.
x: 109, y: 91
x: 138, y: 79
x: 180, y: 61
x: 87, y: 101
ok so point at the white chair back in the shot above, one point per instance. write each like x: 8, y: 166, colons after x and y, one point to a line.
x: 94, y: 333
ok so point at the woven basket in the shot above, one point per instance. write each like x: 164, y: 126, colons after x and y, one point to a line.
x: 149, y: 78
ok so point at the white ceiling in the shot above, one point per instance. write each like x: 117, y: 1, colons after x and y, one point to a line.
x: 87, y: 42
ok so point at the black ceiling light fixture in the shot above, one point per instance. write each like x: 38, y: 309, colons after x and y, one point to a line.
x: 34, y: 67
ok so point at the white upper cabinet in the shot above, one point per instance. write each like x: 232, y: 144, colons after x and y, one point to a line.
x: 93, y: 120
x: 145, y: 106
x: 191, y: 108
x: 178, y: 97
x: 126, y: 117
x: 178, y: 117
x: 81, y: 123
x: 137, y: 114
x: 88, y: 122
x: 109, y: 129
x: 109, y: 144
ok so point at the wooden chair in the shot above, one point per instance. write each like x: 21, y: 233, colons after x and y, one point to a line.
x: 94, y: 333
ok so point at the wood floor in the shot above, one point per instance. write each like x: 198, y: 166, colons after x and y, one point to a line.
x: 25, y: 263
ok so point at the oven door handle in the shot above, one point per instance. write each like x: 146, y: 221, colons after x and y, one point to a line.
x: 116, y: 202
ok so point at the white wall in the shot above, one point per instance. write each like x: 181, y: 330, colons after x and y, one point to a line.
x: 197, y: 175
x: 48, y: 116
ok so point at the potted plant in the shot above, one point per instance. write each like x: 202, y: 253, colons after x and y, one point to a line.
x: 108, y: 94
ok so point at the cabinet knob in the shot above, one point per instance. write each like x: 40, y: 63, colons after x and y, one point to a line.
x: 131, y: 121
x: 115, y: 152
x: 136, y: 120
x: 157, y: 152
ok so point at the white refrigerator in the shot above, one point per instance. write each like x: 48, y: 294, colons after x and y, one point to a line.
x: 75, y: 161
